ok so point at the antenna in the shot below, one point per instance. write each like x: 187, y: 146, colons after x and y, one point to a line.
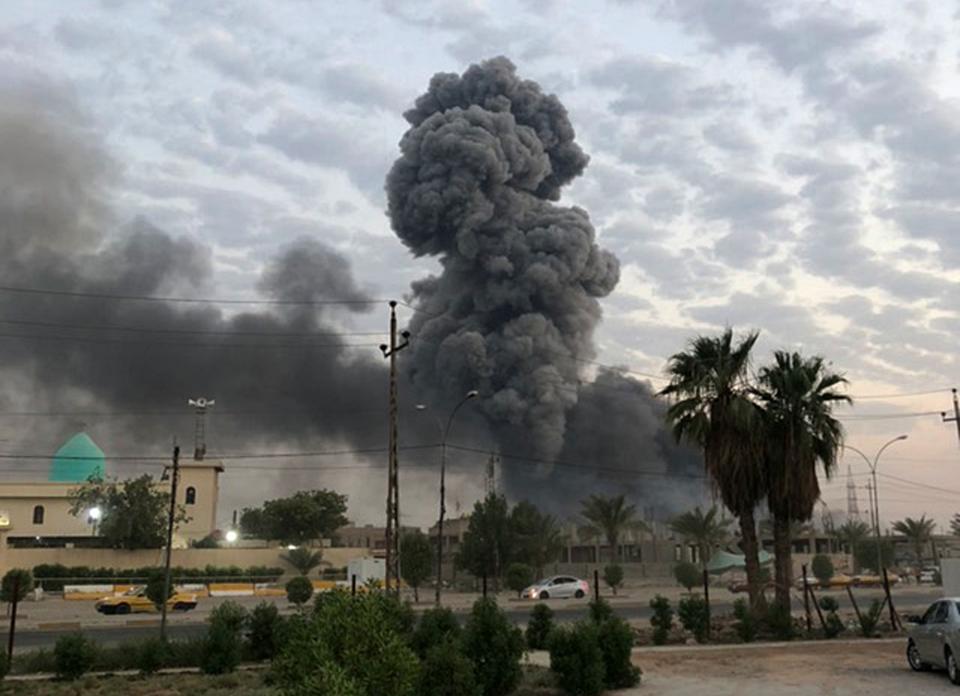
x: 853, y: 507
x: 200, y: 426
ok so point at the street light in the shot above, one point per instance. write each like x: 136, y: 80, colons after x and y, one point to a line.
x: 93, y: 517
x: 231, y: 536
x: 875, y: 502
x: 444, y: 431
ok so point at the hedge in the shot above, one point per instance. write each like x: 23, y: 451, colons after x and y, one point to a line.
x: 52, y: 577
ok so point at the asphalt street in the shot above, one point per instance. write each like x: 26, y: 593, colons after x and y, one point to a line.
x: 907, y: 600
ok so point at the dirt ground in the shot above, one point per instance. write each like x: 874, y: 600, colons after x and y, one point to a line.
x: 828, y: 669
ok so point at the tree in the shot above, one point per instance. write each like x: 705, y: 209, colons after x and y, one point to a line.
x: 133, y: 513
x: 918, y: 533
x: 488, y: 542
x: 797, y: 396
x: 712, y: 409
x: 705, y: 530
x: 299, y: 590
x: 157, y: 589
x: 519, y: 577
x: 303, y: 559
x: 687, y: 574
x: 609, y: 518
x: 822, y: 568
x: 865, y: 554
x: 851, y: 533
x: 538, y: 540
x: 416, y: 560
x: 955, y: 525
x: 304, y: 516
x: 613, y: 576
x: 19, y: 577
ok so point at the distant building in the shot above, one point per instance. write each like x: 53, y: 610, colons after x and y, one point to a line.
x: 365, y: 537
x: 37, y: 513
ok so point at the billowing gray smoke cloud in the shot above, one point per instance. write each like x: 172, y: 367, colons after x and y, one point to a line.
x: 514, y: 310
x: 56, y: 233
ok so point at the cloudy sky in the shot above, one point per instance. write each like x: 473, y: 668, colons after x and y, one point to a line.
x: 785, y: 166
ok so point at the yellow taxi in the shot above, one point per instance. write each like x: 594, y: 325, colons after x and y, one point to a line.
x: 135, y: 601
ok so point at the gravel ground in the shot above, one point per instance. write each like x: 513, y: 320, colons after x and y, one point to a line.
x: 827, y: 668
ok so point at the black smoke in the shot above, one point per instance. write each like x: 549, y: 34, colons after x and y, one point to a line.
x: 514, y: 310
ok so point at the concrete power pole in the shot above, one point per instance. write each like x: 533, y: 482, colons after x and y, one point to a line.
x: 956, y: 413
x: 175, y: 476
x: 392, y: 560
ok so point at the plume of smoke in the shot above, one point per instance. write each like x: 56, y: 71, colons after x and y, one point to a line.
x: 516, y: 305
x: 514, y: 309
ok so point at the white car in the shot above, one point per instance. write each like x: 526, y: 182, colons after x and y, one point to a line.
x: 556, y: 587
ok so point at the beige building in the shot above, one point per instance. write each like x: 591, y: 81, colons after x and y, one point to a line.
x: 37, y: 513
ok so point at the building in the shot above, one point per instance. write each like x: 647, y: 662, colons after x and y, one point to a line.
x: 365, y: 537
x: 37, y: 513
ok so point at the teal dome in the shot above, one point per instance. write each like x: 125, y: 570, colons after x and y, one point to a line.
x: 77, y: 461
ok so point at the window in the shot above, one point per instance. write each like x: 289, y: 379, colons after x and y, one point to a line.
x: 38, y: 514
x: 943, y: 613
x: 928, y: 616
x: 191, y: 495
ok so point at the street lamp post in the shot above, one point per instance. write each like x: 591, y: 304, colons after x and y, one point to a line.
x: 875, y: 495
x: 444, y: 431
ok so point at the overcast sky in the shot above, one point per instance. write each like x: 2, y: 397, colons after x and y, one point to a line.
x: 785, y: 166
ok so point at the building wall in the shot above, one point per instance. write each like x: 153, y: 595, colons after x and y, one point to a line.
x: 187, y: 558
x: 18, y: 500
x: 203, y: 477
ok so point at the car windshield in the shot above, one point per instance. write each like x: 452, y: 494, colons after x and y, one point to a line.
x: 136, y: 591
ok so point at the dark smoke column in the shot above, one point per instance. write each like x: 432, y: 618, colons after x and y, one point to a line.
x: 515, y: 306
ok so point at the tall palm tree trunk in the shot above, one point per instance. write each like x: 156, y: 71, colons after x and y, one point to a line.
x: 782, y: 544
x: 751, y: 554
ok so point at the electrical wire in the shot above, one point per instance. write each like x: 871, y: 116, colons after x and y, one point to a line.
x: 188, y: 332
x: 189, y: 300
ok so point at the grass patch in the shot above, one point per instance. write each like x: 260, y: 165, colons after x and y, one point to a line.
x: 243, y: 683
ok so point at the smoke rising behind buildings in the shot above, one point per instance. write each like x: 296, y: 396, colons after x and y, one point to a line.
x: 512, y: 312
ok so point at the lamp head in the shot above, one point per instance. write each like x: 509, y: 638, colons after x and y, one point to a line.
x: 473, y: 393
x: 231, y: 536
x: 95, y: 513
x: 421, y: 407
x: 903, y: 437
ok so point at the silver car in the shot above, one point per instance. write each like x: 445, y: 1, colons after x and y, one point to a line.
x: 556, y: 587
x: 935, y: 638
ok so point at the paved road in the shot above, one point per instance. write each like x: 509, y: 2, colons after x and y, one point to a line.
x: 908, y: 600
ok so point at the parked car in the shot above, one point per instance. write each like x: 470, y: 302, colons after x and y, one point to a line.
x: 934, y: 638
x: 556, y: 587
x: 868, y: 580
x: 136, y: 601
x: 840, y: 580
x: 738, y: 586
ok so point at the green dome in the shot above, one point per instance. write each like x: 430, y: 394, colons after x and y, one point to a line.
x: 77, y: 460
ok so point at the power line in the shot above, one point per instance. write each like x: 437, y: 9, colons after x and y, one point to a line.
x: 188, y: 300
x: 208, y: 332
x: 181, y: 344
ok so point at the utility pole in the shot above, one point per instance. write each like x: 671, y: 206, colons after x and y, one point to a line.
x: 175, y: 476
x: 392, y: 560
x: 956, y: 413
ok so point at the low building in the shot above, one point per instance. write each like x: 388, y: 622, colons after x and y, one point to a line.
x: 365, y: 537
x: 37, y: 513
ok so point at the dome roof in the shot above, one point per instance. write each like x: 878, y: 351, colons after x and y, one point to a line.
x: 77, y: 460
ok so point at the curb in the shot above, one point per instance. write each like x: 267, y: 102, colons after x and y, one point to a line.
x: 760, y: 645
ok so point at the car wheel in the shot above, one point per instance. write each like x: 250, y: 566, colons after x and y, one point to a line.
x: 913, y: 658
x: 544, y: 595
x: 953, y: 670
x: 578, y: 594
x: 179, y: 606
x: 122, y: 609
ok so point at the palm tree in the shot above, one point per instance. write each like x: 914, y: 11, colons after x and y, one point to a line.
x: 918, y: 532
x: 538, y: 538
x: 703, y: 529
x: 713, y: 411
x: 851, y: 534
x: 797, y: 396
x: 609, y: 518
x: 303, y: 559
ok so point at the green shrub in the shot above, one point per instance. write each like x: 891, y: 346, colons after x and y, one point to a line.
x: 869, y: 619
x: 222, y: 646
x: 299, y: 590
x: 495, y: 647
x: 437, y: 627
x: 4, y: 664
x: 346, y: 646
x: 576, y: 659
x: 263, y: 631
x: 397, y: 613
x: 446, y: 671
x: 822, y: 568
x: 13, y: 577
x: 73, y: 655
x: 519, y: 577
x: 151, y: 655
x: 613, y: 576
x: 615, y: 639
x: 157, y: 590
x: 779, y: 622
x: 829, y: 604
x: 539, y: 627
x: 600, y: 610
x: 695, y: 616
x: 687, y: 574
x: 746, y: 626
x: 662, y: 619
x: 184, y: 653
